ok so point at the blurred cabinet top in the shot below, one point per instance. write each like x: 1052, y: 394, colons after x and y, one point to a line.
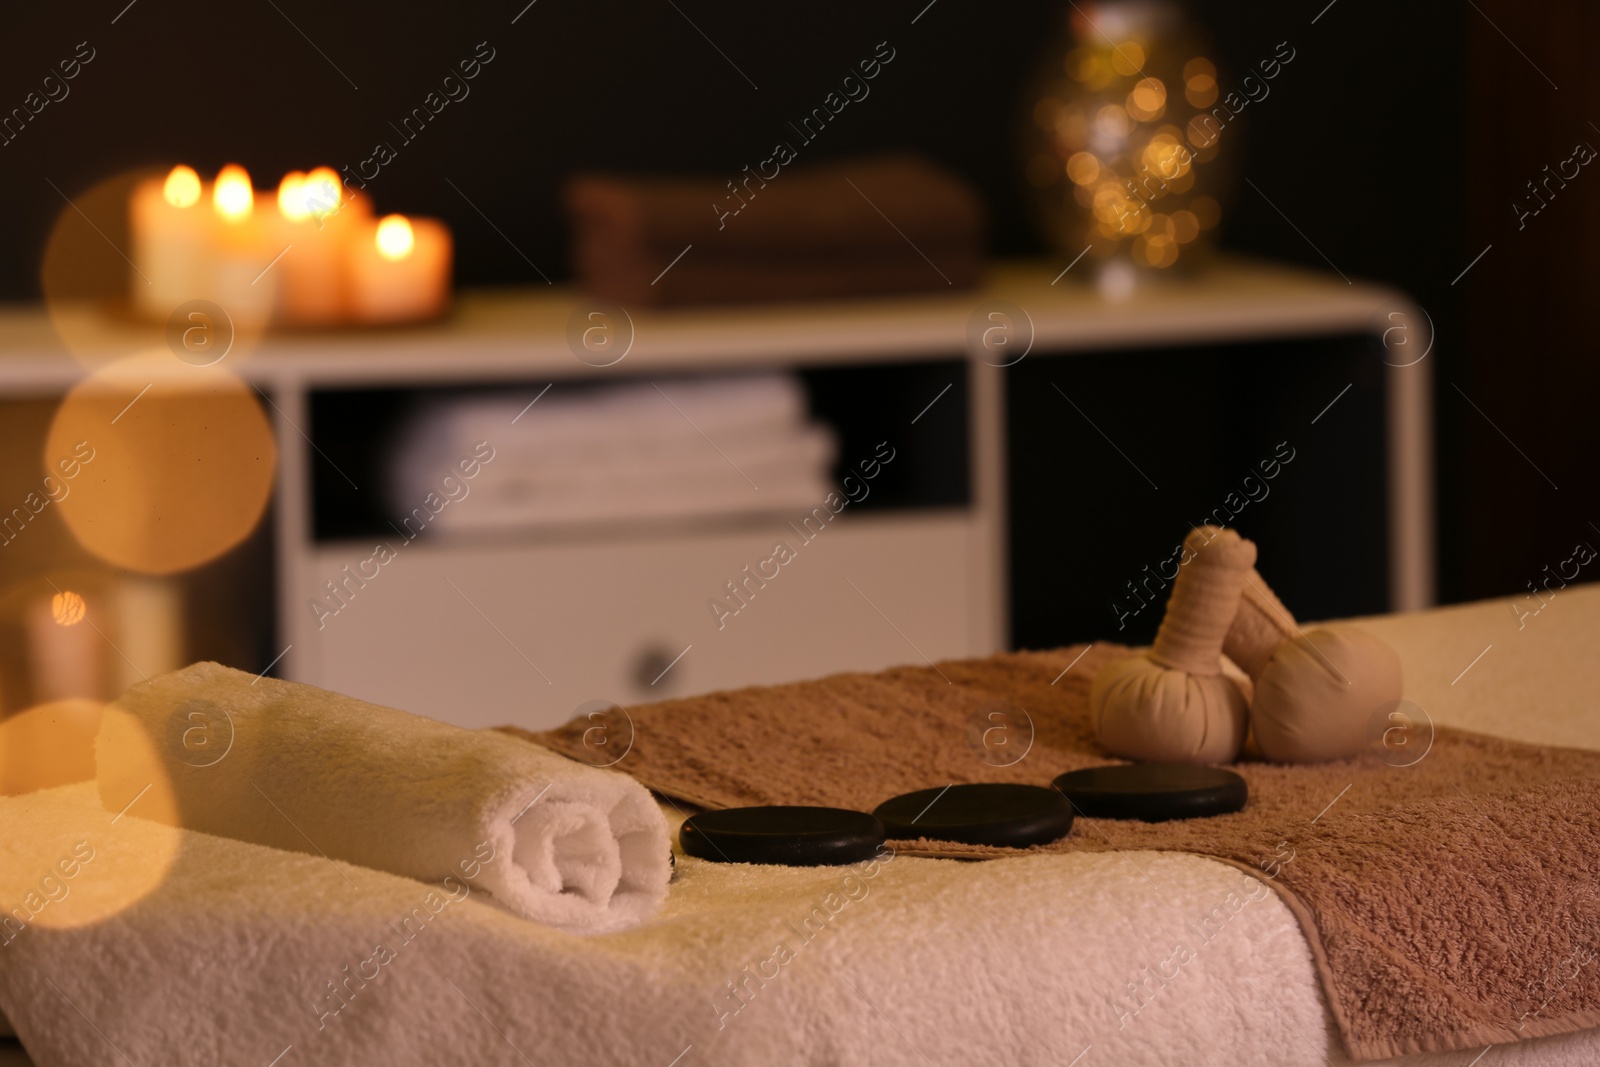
x: 520, y: 333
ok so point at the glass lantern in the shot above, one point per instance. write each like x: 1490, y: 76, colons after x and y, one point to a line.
x: 1123, y: 141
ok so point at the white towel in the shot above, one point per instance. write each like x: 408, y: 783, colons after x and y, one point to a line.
x: 771, y: 474
x: 237, y: 953
x: 294, y: 767
x: 630, y: 451
x: 524, y: 507
x: 802, y: 448
x: 717, y: 406
x: 188, y: 950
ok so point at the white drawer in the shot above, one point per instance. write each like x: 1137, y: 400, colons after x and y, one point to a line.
x: 528, y: 633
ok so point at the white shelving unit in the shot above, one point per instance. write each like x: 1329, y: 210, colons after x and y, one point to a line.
x: 528, y: 629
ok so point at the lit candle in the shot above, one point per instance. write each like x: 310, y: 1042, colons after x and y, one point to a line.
x: 232, y: 197
x: 171, y: 243
x: 292, y: 197
x: 335, y: 208
x: 401, y: 271
x: 311, y: 288
x: 243, y: 283
x: 64, y: 653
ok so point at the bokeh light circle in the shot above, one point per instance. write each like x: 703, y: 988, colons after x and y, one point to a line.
x: 176, y: 462
x: 83, y: 850
x: 200, y: 332
x: 93, y: 265
x: 48, y: 745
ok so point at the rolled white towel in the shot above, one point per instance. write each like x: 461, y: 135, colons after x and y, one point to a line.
x: 299, y: 768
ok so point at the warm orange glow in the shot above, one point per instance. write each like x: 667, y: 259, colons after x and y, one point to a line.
x: 1083, y: 168
x: 183, y: 475
x: 292, y: 197
x: 1201, y: 90
x: 1111, y: 122
x: 1147, y: 100
x: 232, y: 196
x: 48, y: 745
x: 1185, y: 226
x: 1164, y: 157
x: 1118, y: 152
x: 323, y: 193
x: 1127, y: 57
x: 68, y: 608
x: 1155, y: 250
x: 83, y: 859
x: 395, y: 239
x: 1089, y: 67
x: 1163, y: 251
x: 182, y: 188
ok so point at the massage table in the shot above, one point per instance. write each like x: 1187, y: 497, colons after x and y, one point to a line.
x: 230, y: 953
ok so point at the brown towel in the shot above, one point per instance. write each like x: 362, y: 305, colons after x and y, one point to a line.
x: 880, y: 225
x: 1450, y: 903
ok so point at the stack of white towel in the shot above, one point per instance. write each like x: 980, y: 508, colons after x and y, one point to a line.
x: 670, y: 449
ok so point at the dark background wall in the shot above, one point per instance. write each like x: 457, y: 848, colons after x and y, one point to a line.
x: 1534, y: 486
x: 1396, y: 142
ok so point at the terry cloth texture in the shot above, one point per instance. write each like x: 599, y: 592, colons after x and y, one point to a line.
x: 295, y: 767
x: 1448, y: 890
x: 188, y: 950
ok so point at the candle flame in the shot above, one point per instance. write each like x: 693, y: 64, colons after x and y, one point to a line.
x: 182, y: 188
x: 292, y: 197
x: 68, y: 608
x: 232, y: 197
x: 395, y: 238
x: 323, y: 194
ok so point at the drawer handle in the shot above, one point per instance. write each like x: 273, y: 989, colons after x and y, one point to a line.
x: 649, y: 666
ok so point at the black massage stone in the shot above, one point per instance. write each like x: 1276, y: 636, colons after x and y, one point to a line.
x: 790, y: 836
x: 1153, y: 792
x: 989, y: 813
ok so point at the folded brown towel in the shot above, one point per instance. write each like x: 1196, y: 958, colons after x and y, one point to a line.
x: 1449, y: 904
x: 869, y: 226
